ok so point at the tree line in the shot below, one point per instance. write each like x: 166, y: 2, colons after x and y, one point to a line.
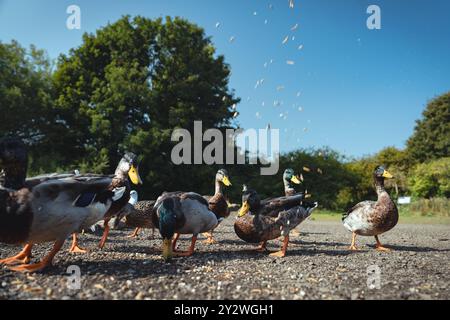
x: 132, y: 82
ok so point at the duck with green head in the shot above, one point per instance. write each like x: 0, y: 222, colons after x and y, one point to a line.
x: 178, y: 213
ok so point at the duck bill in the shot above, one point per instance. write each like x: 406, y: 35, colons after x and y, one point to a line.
x: 387, y: 175
x: 244, y: 209
x: 226, y: 181
x: 167, y: 249
x: 295, y: 180
x: 134, y: 175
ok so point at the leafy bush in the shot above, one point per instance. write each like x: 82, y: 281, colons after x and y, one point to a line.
x: 431, y: 179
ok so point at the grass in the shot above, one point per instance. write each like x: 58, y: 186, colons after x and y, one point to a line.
x: 406, y: 216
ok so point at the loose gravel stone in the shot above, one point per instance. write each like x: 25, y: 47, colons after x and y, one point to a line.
x: 318, y: 265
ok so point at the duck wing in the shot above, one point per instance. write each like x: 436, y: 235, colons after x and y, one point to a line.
x: 273, y: 206
x: 64, y: 206
x: 289, y: 219
x: 182, y: 195
x: 363, y: 208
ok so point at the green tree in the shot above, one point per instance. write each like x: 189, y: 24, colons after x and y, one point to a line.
x: 130, y: 84
x: 431, y: 137
x: 431, y: 179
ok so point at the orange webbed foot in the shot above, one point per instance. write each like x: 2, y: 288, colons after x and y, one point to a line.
x: 15, y: 260
x: 77, y: 249
x: 383, y: 249
x: 30, y: 267
x: 278, y: 254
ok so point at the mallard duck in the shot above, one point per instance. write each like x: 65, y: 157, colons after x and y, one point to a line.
x: 127, y: 168
x: 39, y: 199
x: 51, y: 211
x: 289, y: 178
x: 372, y: 218
x: 14, y: 159
x: 259, y: 221
x: 218, y: 203
x: 178, y: 213
x: 127, y: 210
x: 141, y: 217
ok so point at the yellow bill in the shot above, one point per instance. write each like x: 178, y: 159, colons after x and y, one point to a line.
x: 167, y: 249
x: 244, y: 209
x: 226, y: 181
x: 295, y: 180
x: 387, y: 175
x: 134, y: 175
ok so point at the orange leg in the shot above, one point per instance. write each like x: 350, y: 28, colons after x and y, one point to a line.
x: 379, y: 246
x: 47, y: 261
x: 190, y: 252
x: 135, y: 233
x: 22, y: 257
x: 74, y: 248
x: 353, y: 245
x: 174, y: 242
x: 210, y: 237
x: 105, y: 233
x: 283, y: 250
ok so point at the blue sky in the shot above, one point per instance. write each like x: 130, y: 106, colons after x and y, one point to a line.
x: 360, y: 89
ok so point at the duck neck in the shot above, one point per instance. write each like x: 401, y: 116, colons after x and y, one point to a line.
x: 120, y: 174
x: 218, y: 188
x: 379, y: 186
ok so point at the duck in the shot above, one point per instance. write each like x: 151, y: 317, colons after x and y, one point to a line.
x: 259, y: 221
x: 289, y: 179
x: 372, y: 218
x: 127, y: 171
x: 14, y: 160
x: 178, y: 213
x: 141, y: 217
x: 51, y: 211
x: 218, y: 203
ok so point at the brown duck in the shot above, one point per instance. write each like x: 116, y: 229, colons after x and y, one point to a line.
x: 141, y: 217
x: 260, y: 221
x: 372, y: 218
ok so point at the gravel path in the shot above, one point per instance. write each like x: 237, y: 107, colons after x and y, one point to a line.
x: 318, y: 266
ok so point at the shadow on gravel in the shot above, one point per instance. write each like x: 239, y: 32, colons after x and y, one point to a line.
x: 303, y: 242
x: 306, y: 252
x: 412, y: 248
